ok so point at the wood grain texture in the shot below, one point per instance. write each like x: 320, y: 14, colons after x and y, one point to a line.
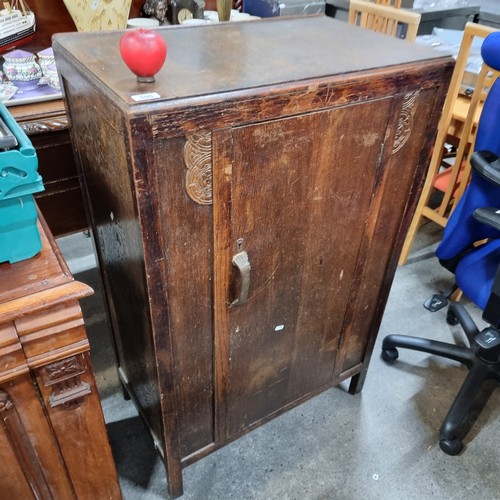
x: 301, y: 49
x: 300, y: 263
x: 85, y: 449
x: 224, y: 248
x: 30, y: 291
x: 185, y: 227
x: 383, y: 226
x: 114, y: 221
x: 158, y: 291
x: 53, y: 441
x: 12, y: 359
x: 33, y: 444
x: 314, y: 170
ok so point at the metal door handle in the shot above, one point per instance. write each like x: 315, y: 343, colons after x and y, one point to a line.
x: 241, y: 262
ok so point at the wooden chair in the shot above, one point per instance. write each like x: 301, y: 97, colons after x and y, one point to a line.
x: 457, y: 127
x: 486, y: 79
x: 386, y: 19
x: 394, y: 3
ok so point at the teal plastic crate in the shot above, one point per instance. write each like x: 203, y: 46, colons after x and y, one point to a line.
x: 19, y: 180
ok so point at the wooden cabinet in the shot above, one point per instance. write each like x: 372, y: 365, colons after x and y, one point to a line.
x: 248, y: 210
x: 53, y: 441
x: 47, y: 126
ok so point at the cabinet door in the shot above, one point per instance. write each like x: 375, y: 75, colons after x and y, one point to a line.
x: 31, y: 463
x: 292, y: 196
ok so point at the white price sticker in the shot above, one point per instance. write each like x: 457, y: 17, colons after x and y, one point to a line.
x: 145, y: 97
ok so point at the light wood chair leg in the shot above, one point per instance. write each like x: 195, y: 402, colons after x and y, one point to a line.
x: 416, y: 221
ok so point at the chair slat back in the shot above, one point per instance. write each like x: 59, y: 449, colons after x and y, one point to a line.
x: 486, y: 79
x: 384, y: 18
x: 394, y: 3
x: 457, y: 109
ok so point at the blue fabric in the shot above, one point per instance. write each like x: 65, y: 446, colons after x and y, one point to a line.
x: 488, y: 132
x: 462, y: 230
x: 489, y: 50
x: 476, y: 271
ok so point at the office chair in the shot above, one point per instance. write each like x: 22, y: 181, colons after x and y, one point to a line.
x: 457, y: 127
x: 471, y: 250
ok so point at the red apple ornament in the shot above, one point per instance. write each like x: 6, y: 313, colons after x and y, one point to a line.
x: 144, y: 51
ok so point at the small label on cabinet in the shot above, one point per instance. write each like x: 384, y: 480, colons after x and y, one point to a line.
x: 145, y: 97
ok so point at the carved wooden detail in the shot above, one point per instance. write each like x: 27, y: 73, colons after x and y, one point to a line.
x: 53, y: 442
x: 45, y: 126
x: 405, y: 121
x: 22, y: 448
x: 65, y: 379
x: 198, y: 161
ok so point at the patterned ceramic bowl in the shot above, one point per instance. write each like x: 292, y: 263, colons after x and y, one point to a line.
x: 46, y: 59
x: 21, y: 69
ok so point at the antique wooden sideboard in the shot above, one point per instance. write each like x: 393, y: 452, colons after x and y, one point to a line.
x: 47, y: 126
x: 248, y: 210
x: 53, y: 441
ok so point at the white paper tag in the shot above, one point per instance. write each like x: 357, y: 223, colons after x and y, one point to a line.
x: 145, y: 97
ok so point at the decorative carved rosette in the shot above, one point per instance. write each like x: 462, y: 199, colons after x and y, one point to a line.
x: 65, y: 379
x: 405, y: 121
x: 198, y: 161
x: 5, y: 402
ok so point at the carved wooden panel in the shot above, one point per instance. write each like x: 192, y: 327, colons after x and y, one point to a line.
x: 42, y: 126
x: 53, y: 442
x: 22, y: 448
x: 65, y: 379
x: 405, y: 121
x: 198, y: 161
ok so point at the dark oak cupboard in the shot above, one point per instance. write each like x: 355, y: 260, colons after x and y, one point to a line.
x: 248, y: 212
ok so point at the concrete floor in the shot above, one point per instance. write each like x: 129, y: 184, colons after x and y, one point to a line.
x: 380, y: 444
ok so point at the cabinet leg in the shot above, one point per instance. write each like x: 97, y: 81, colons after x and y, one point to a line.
x: 174, y: 478
x: 357, y: 382
x: 126, y: 395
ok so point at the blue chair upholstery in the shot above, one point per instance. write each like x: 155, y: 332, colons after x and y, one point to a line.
x: 476, y: 272
x: 470, y: 249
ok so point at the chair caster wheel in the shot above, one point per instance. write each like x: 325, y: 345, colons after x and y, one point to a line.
x: 451, y: 319
x: 451, y: 446
x: 390, y: 355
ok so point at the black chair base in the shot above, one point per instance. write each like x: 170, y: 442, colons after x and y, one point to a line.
x: 482, y: 359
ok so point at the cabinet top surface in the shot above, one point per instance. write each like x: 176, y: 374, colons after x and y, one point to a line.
x: 33, y: 283
x: 228, y: 57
